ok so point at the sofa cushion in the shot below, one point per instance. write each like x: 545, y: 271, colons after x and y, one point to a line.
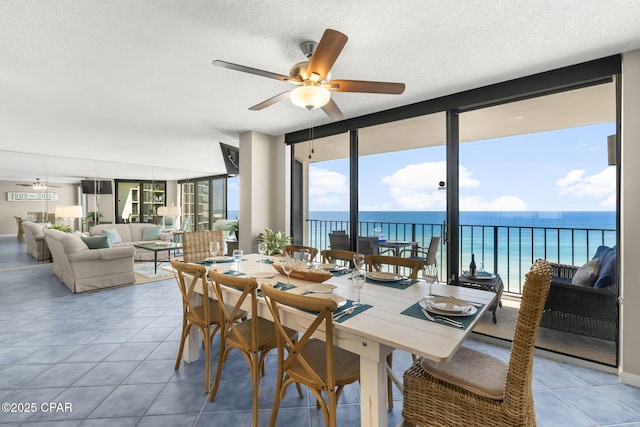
x: 151, y: 233
x: 113, y: 235
x: 587, y: 274
x: 608, y: 266
x: 97, y: 242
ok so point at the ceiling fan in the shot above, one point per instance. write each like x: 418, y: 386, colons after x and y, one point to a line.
x: 38, y: 185
x: 314, y: 91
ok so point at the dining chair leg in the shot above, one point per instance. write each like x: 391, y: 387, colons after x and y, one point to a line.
x: 221, y: 356
x: 389, y: 382
x: 207, y: 360
x: 255, y: 377
x: 183, y: 338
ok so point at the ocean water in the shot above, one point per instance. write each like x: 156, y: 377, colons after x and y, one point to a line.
x: 573, y: 219
x: 504, y: 242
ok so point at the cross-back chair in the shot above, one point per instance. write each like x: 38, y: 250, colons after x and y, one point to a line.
x: 195, y: 244
x: 291, y: 250
x: 253, y: 337
x: 411, y: 266
x: 475, y: 389
x: 198, y: 310
x: 335, y: 256
x: 319, y: 365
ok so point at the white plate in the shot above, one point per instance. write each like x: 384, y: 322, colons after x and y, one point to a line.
x: 427, y: 305
x: 483, y: 277
x: 383, y: 276
x: 337, y: 298
x: 263, y: 275
x: 321, y: 288
x: 327, y: 266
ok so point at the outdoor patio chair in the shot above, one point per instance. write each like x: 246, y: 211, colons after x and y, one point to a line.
x: 318, y: 364
x: 339, y: 241
x: 368, y: 245
x: 428, y: 257
x: 253, y: 337
x: 476, y: 389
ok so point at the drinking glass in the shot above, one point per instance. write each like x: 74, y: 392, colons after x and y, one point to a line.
x: 214, y: 248
x: 287, y: 266
x: 358, y: 261
x: 237, y: 256
x: 304, y: 256
x: 430, y: 275
x: 358, y: 279
x: 262, y: 248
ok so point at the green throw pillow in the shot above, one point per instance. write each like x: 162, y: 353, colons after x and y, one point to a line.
x: 151, y: 233
x: 97, y: 242
x: 113, y: 235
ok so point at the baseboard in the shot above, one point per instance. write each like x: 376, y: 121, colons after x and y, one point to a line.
x: 631, y: 379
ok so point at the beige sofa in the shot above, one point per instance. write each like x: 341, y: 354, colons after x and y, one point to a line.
x: 131, y: 234
x: 36, y: 245
x: 83, y: 269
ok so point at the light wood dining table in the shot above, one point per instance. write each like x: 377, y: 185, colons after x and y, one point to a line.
x: 373, y: 333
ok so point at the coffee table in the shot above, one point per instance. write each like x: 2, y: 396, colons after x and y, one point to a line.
x: 158, y: 247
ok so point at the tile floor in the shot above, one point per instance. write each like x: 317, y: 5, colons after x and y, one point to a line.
x: 111, y: 354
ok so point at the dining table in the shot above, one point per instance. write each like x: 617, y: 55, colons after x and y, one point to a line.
x: 391, y: 319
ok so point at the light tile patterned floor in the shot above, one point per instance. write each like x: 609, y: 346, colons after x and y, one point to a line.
x: 111, y: 354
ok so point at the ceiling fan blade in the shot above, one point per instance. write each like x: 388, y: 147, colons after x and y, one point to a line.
x: 366, y: 86
x: 264, y: 104
x: 332, y: 110
x: 326, y: 53
x: 245, y: 69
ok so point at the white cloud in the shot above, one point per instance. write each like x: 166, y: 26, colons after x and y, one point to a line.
x: 328, y: 189
x: 599, y: 186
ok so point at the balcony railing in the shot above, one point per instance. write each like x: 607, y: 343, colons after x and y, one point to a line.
x: 506, y: 250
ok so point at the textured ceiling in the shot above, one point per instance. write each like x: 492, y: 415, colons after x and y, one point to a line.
x: 131, y: 82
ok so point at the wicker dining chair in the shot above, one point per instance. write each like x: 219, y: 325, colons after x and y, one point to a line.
x: 475, y: 389
x: 374, y: 263
x: 253, y: 337
x: 333, y: 255
x: 290, y: 250
x: 319, y: 365
x: 195, y: 244
x: 197, y: 311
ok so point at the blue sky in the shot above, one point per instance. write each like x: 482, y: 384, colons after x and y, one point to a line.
x: 562, y: 170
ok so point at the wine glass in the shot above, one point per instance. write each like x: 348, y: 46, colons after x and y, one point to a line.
x: 214, y: 248
x: 237, y: 256
x: 287, y: 266
x: 358, y: 261
x: 262, y: 248
x: 358, y: 279
x: 430, y: 275
x: 304, y: 256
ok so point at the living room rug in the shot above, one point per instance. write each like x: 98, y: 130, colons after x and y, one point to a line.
x: 144, y: 272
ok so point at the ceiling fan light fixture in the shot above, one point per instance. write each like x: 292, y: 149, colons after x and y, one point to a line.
x: 310, y: 96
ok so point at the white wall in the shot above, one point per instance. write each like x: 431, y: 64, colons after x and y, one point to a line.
x: 67, y: 195
x: 630, y: 212
x: 264, y: 177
